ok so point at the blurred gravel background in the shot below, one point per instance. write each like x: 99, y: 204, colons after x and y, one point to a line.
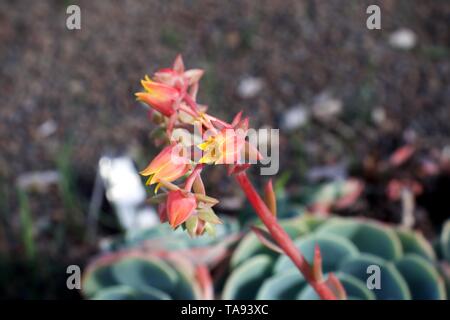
x: 337, y: 90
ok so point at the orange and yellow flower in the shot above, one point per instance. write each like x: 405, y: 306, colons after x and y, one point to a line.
x: 169, y: 165
x: 223, y: 148
x: 159, y: 96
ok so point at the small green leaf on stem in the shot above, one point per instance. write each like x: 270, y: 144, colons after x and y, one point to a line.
x: 267, y: 240
x: 198, y: 185
x: 317, y: 265
x: 336, y: 286
x: 191, y: 225
x: 207, y: 214
x: 210, y: 230
x: 270, y: 198
x: 206, y: 199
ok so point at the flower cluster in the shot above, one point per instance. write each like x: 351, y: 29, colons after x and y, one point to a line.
x: 186, y: 126
x: 188, y: 129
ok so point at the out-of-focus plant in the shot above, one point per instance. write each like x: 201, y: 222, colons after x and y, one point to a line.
x: 159, y: 264
x: 443, y: 248
x: 134, y: 276
x: 171, y: 95
x: 445, y: 241
x: 408, y: 265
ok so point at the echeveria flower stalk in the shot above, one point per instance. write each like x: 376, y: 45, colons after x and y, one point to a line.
x: 172, y: 94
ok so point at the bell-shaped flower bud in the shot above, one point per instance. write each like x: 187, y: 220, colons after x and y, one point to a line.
x: 159, y: 96
x: 180, y: 206
x: 169, y: 165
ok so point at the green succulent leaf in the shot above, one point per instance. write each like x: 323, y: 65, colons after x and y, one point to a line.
x: 163, y: 237
x: 423, y: 280
x: 210, y: 229
x: 121, y: 292
x: 245, y: 281
x: 207, y: 214
x: 145, y: 274
x: 445, y: 240
x: 185, y: 286
x: 248, y: 247
x: 369, y: 237
x: 98, y: 279
x: 191, y: 225
x: 284, y: 286
x: 392, y: 284
x: 355, y: 289
x: 414, y: 242
x: 334, y: 249
x: 309, y: 222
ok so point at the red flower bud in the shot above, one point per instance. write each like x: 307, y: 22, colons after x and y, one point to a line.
x: 159, y: 96
x: 180, y: 207
x: 169, y: 165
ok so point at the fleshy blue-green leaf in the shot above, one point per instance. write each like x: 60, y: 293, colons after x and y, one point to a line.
x: 445, y: 240
x: 423, y: 280
x: 392, y: 284
x: 98, y: 279
x: 333, y: 248
x: 245, y: 281
x: 248, y: 247
x: 414, y: 242
x: 184, y: 288
x: 283, y: 286
x: 310, y: 222
x: 145, y: 274
x: 368, y: 237
x: 122, y: 292
x: 355, y: 289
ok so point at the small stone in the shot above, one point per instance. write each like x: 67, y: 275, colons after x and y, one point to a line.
x: 378, y: 115
x: 295, y: 117
x: 46, y: 129
x: 250, y: 87
x: 404, y: 39
x: 326, y: 106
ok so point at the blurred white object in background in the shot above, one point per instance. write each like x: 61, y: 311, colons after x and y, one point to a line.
x: 295, y: 117
x: 125, y: 191
x: 378, y: 115
x: 326, y: 106
x: 250, y: 87
x: 404, y: 39
x: 47, y: 128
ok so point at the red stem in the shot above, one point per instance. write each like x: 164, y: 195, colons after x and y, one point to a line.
x: 282, y: 238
